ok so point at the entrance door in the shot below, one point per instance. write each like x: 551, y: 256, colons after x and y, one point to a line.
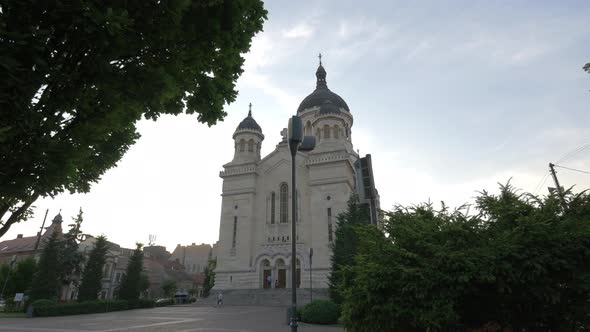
x: 282, y: 281
x: 265, y: 281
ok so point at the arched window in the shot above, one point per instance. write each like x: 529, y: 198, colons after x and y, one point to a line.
x: 242, y: 145
x: 318, y: 134
x: 326, y: 131
x: 336, y: 132
x: 308, y: 128
x: 272, y: 207
x: 251, y: 145
x: 284, y: 203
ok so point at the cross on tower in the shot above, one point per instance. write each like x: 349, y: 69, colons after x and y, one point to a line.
x: 250, y: 109
x: 320, y: 57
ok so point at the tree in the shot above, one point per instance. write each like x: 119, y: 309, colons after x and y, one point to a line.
x: 520, y: 264
x: 46, y: 282
x: 169, y: 287
x: 91, y: 284
x: 131, y: 282
x: 209, y: 281
x: 344, y: 248
x: 77, y: 76
x: 587, y: 67
x: 71, y: 257
x: 19, y: 278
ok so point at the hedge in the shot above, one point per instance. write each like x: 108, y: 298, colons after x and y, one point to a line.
x: 44, y: 308
x: 320, y: 312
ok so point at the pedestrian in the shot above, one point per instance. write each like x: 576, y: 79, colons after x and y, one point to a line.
x: 219, y: 299
x: 276, y: 283
x: 269, y: 280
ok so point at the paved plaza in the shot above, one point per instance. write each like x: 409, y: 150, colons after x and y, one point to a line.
x: 180, y: 319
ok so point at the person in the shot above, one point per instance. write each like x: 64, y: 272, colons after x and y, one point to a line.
x: 269, y: 279
x: 219, y: 299
x: 277, y: 283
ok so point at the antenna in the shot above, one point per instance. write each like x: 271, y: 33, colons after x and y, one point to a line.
x: 152, y: 240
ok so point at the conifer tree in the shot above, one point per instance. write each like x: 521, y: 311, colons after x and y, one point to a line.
x: 46, y: 282
x: 131, y: 281
x: 71, y: 257
x: 92, y: 276
x: 345, y: 244
x: 209, y: 281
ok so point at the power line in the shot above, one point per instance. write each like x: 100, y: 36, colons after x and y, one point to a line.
x: 575, y: 151
x: 541, y: 182
x: 573, y: 169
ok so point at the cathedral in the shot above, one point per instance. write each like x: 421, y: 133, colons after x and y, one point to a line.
x: 254, y: 248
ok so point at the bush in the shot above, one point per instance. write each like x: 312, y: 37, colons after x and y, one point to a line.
x: 141, y: 303
x: 320, y: 312
x: 43, y: 308
x: 164, y: 303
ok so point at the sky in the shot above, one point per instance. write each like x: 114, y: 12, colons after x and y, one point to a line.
x: 449, y: 97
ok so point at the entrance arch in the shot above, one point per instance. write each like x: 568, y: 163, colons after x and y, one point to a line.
x: 266, y: 274
x: 281, y: 281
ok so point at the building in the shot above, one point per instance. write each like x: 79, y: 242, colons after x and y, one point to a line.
x: 28, y: 246
x: 255, y: 228
x: 194, y: 257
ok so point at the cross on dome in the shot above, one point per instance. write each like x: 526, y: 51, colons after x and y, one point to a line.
x: 250, y: 109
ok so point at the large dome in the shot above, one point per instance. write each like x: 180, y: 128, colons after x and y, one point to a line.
x: 322, y: 94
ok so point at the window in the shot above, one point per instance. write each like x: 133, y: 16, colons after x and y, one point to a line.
x: 233, y: 242
x: 326, y: 131
x: 242, y: 145
x: 272, y: 207
x: 284, y: 203
x: 308, y: 128
x: 330, y: 236
x: 336, y: 132
x: 251, y: 145
x: 118, y: 277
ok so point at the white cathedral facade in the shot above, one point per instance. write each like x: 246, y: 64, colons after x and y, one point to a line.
x: 254, y: 248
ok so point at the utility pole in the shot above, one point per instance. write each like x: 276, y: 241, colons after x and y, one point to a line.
x: 559, y: 189
x: 41, y: 231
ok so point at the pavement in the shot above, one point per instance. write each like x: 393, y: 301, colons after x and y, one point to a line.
x: 179, y: 319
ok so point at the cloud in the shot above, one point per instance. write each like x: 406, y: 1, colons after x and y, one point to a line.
x: 301, y: 30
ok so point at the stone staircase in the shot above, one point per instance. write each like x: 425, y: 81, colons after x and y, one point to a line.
x: 263, y: 297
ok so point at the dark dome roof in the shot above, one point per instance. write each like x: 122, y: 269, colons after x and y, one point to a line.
x: 328, y: 107
x: 322, y: 94
x: 249, y: 123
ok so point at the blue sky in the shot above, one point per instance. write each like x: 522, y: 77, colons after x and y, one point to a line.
x: 450, y: 97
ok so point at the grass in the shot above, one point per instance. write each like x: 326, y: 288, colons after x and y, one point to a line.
x: 12, y: 315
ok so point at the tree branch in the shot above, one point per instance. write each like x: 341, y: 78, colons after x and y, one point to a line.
x: 16, y: 215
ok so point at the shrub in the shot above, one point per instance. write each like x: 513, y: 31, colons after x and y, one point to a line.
x: 44, y: 307
x: 164, y: 303
x: 141, y: 303
x: 320, y: 312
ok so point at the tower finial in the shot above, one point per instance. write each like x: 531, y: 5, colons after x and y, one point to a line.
x: 320, y: 57
x: 250, y: 110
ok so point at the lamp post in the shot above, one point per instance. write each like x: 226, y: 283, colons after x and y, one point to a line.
x: 297, y: 142
x: 310, y: 283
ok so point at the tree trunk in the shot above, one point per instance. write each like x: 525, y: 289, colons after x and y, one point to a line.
x: 16, y: 215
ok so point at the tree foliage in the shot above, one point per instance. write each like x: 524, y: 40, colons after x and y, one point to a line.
x: 91, y: 284
x: 209, y: 281
x: 131, y: 282
x: 71, y: 257
x: 521, y: 263
x: 20, y: 277
x: 169, y: 287
x: 78, y: 75
x: 344, y: 248
x: 46, y: 282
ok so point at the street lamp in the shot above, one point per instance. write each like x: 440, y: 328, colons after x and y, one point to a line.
x: 310, y: 283
x: 297, y: 142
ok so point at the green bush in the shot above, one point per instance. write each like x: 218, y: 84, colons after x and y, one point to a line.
x: 141, y: 303
x: 44, y: 308
x: 320, y: 312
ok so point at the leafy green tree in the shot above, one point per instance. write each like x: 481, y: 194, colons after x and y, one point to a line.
x: 131, y: 282
x: 209, y: 281
x: 344, y: 247
x: 521, y: 264
x: 19, y: 278
x: 169, y: 287
x: 77, y: 76
x: 46, y: 282
x: 587, y: 67
x: 71, y: 257
x: 144, y: 284
x: 91, y: 284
